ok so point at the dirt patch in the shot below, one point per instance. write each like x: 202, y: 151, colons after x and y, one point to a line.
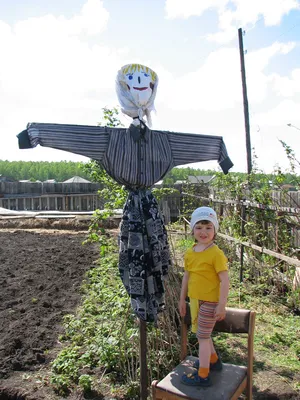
x: 74, y: 223
x: 40, y: 274
x: 272, y: 386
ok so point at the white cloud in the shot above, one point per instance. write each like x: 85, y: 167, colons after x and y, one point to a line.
x: 92, y: 20
x: 274, y: 126
x: 248, y: 12
x: 232, y: 14
x: 188, y: 8
x: 286, y: 86
x: 216, y: 85
x: 287, y: 111
x: 210, y: 87
x: 223, y: 37
x: 47, y: 63
x: 209, y: 100
x: 49, y: 71
x: 256, y: 62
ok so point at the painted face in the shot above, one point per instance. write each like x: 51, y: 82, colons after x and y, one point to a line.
x: 136, y: 87
x: 140, y: 85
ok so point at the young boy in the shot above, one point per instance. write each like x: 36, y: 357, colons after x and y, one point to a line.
x: 206, y: 283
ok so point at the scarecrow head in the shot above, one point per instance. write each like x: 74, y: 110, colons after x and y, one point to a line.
x: 136, y: 87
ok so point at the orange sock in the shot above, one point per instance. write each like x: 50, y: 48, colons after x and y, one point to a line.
x: 203, y: 372
x: 214, y: 358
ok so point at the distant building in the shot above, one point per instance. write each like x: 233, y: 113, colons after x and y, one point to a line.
x: 5, y: 179
x: 76, y: 179
x: 158, y: 184
x: 194, y: 180
x: 50, y: 181
x: 179, y: 182
x: 288, y: 187
x: 200, y: 179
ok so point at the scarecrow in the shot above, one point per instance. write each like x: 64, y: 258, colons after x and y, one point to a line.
x: 137, y: 158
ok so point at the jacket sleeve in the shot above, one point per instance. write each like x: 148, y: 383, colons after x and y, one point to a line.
x: 190, y: 148
x: 89, y: 141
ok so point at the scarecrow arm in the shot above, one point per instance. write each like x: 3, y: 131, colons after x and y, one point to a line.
x: 189, y: 148
x: 89, y: 141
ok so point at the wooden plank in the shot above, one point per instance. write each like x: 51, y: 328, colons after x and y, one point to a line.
x: 289, y: 260
x: 291, y: 210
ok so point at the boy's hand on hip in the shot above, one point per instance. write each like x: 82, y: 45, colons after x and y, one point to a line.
x: 220, y: 312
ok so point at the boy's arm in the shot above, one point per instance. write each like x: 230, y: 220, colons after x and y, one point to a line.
x: 183, y: 293
x: 220, y: 310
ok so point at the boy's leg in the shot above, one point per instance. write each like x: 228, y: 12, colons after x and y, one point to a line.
x: 213, y: 354
x: 212, y: 347
x: 215, y: 361
x: 204, y: 357
x: 206, y: 323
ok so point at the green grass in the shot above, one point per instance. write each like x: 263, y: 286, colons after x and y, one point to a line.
x: 101, y: 340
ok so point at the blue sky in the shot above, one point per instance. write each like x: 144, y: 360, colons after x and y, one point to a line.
x: 59, y: 60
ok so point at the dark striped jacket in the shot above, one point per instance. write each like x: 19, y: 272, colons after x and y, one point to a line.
x: 136, y: 163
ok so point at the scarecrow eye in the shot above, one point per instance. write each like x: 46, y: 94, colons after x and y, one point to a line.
x: 146, y: 74
x: 130, y: 77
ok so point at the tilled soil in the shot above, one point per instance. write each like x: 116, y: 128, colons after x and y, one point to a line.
x: 40, y: 275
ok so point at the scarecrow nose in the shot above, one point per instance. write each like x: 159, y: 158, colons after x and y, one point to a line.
x: 139, y: 79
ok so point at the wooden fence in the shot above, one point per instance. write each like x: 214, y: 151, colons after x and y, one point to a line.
x: 41, y: 188
x: 273, y: 230
x: 38, y: 196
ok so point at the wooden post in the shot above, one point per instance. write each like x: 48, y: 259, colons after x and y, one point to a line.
x: 243, y: 216
x: 245, y: 97
x: 143, y: 360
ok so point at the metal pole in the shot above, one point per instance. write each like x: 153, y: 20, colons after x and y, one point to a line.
x: 143, y: 360
x: 246, y: 107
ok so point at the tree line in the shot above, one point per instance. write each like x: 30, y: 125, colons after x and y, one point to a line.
x: 41, y: 170
x: 63, y: 170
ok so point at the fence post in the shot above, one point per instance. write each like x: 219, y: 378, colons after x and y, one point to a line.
x: 243, y: 216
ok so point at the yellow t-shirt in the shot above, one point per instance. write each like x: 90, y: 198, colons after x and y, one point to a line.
x: 203, y: 267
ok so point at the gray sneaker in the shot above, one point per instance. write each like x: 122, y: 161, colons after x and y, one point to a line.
x: 195, y: 380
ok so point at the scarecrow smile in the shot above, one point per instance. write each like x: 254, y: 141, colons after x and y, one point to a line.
x: 140, y: 88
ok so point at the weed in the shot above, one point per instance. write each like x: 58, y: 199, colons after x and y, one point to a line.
x: 85, y: 382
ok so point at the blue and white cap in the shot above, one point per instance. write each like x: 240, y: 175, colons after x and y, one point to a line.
x: 202, y: 214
